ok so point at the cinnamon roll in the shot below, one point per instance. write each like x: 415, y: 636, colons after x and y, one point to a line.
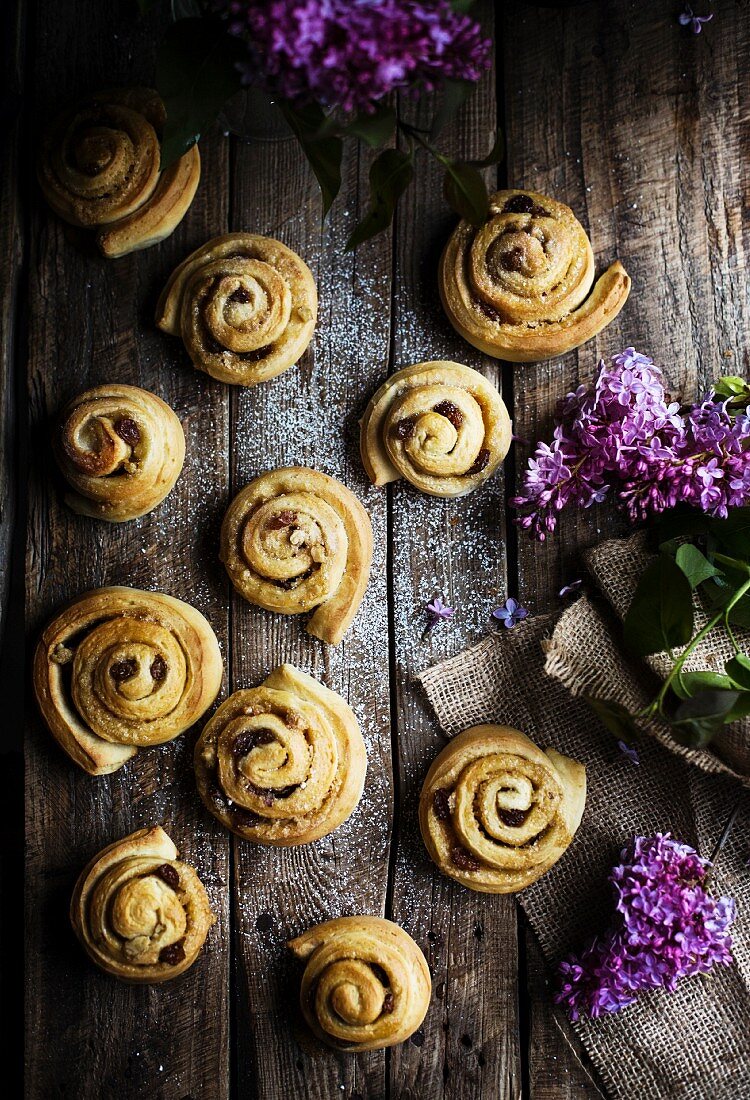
x: 366, y: 984
x: 295, y: 540
x: 518, y: 287
x: 283, y: 763
x: 496, y: 812
x: 99, y: 168
x: 245, y: 307
x: 120, y: 669
x: 440, y: 425
x: 121, y: 449
x: 141, y: 914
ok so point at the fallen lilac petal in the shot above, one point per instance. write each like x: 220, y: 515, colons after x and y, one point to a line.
x: 629, y: 751
x: 510, y: 613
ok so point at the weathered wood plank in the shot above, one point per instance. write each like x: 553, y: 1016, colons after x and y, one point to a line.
x: 468, y: 1046
x: 91, y: 321
x: 13, y: 20
x: 639, y: 126
x: 308, y: 416
x: 559, y: 1068
x: 12, y: 246
x: 653, y: 167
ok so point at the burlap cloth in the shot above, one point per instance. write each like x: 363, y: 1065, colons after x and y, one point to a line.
x: 694, y: 1043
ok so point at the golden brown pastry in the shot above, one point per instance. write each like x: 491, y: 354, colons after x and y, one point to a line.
x: 283, y: 763
x: 296, y: 540
x: 119, y: 669
x: 496, y: 812
x: 366, y: 984
x: 98, y: 167
x: 121, y: 449
x: 440, y: 425
x: 140, y: 912
x: 518, y: 287
x: 245, y: 307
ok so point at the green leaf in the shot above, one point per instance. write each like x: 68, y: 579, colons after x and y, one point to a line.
x: 495, y: 155
x: 738, y: 669
x: 462, y: 6
x: 614, y: 716
x: 733, y: 388
x: 736, y: 564
x: 697, y: 719
x: 740, y: 613
x: 660, y: 616
x: 184, y: 9
x: 695, y: 565
x: 375, y: 129
x: 390, y: 174
x: 680, y: 523
x: 689, y: 683
x: 733, y: 533
x: 741, y: 708
x: 720, y: 596
x: 466, y: 192
x: 322, y: 148
x: 195, y: 75
x: 454, y: 94
x: 721, y: 591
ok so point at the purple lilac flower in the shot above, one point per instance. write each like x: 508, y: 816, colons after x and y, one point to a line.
x: 666, y: 927
x: 630, y: 751
x: 352, y: 53
x: 437, y: 612
x: 623, y: 436
x: 510, y: 613
x: 569, y: 589
x: 689, y: 18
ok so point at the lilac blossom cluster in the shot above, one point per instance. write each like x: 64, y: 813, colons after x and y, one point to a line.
x: 666, y: 927
x: 624, y: 434
x: 352, y: 53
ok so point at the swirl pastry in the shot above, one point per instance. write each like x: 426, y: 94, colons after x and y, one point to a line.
x: 283, y: 763
x: 140, y: 913
x: 518, y: 287
x: 120, y: 669
x: 121, y: 449
x: 98, y: 167
x: 245, y: 307
x: 366, y: 984
x: 440, y: 425
x: 296, y: 540
x: 496, y: 812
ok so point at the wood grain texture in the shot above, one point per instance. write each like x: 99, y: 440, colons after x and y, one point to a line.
x: 12, y: 233
x: 91, y: 321
x: 468, y: 1045
x: 653, y: 165
x: 640, y: 126
x: 643, y: 129
x: 308, y: 417
x: 558, y: 1066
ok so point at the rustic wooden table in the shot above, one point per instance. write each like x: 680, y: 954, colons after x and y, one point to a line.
x: 612, y: 108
